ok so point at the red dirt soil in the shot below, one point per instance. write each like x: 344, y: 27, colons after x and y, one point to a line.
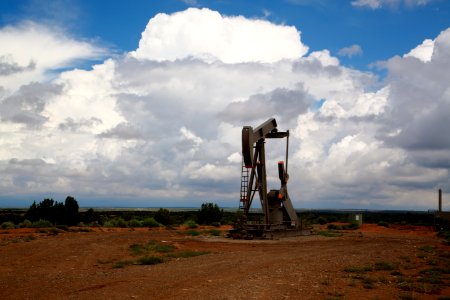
x: 84, y: 265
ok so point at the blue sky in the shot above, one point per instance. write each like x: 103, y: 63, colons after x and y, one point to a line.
x: 325, y: 24
x: 142, y: 104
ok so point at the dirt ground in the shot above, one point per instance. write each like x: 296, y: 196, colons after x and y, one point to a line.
x: 372, y: 262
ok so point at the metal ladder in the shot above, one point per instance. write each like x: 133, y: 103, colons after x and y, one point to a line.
x: 244, y: 187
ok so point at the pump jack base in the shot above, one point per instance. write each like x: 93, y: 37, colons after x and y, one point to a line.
x: 267, y: 232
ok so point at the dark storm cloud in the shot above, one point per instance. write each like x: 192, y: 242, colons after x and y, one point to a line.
x: 288, y: 104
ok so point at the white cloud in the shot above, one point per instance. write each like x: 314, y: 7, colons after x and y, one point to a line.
x: 205, y: 34
x: 370, y: 3
x: 350, y: 51
x: 423, y: 52
x: 376, y: 4
x: 33, y: 50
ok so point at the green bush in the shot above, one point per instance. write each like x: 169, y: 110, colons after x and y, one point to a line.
x: 193, y: 232
x: 133, y: 223
x: 42, y: 224
x: 215, y: 232
x: 8, y: 225
x: 191, y: 224
x: 108, y: 224
x: 119, y: 222
x: 150, y: 222
x: 116, y: 222
x: 26, y: 224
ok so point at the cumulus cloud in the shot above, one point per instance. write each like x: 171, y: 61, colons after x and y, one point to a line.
x: 350, y: 51
x: 423, y: 52
x: 420, y: 99
x: 162, y: 125
x: 205, y: 34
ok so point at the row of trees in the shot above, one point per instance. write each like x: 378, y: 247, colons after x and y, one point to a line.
x: 66, y: 213
x: 209, y: 214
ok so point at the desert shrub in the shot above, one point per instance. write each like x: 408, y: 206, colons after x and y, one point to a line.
x: 383, y: 223
x: 122, y: 264
x: 321, y: 220
x: 191, y: 224
x: 42, y: 224
x: 137, y: 249
x: 358, y: 269
x: 163, y: 248
x: 332, y: 219
x: 329, y: 233
x: 187, y: 253
x: 8, y: 225
x: 151, y: 247
x: 25, y: 224
x: 119, y: 222
x: 427, y: 248
x: 134, y: 223
x: 150, y: 260
x: 368, y: 282
x: 108, y: 224
x: 384, y: 265
x: 63, y: 227
x: 150, y: 222
x: 193, y: 232
x: 215, y: 232
x: 332, y: 227
x: 53, y: 231
x: 351, y: 226
x: 29, y: 238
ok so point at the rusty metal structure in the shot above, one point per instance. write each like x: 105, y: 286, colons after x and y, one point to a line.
x: 279, y: 216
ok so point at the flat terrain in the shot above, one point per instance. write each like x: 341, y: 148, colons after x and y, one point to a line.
x: 372, y: 262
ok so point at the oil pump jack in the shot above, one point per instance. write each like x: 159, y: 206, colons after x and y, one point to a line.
x: 279, y: 216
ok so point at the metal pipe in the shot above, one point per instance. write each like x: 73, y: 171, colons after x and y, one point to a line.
x: 287, y: 151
